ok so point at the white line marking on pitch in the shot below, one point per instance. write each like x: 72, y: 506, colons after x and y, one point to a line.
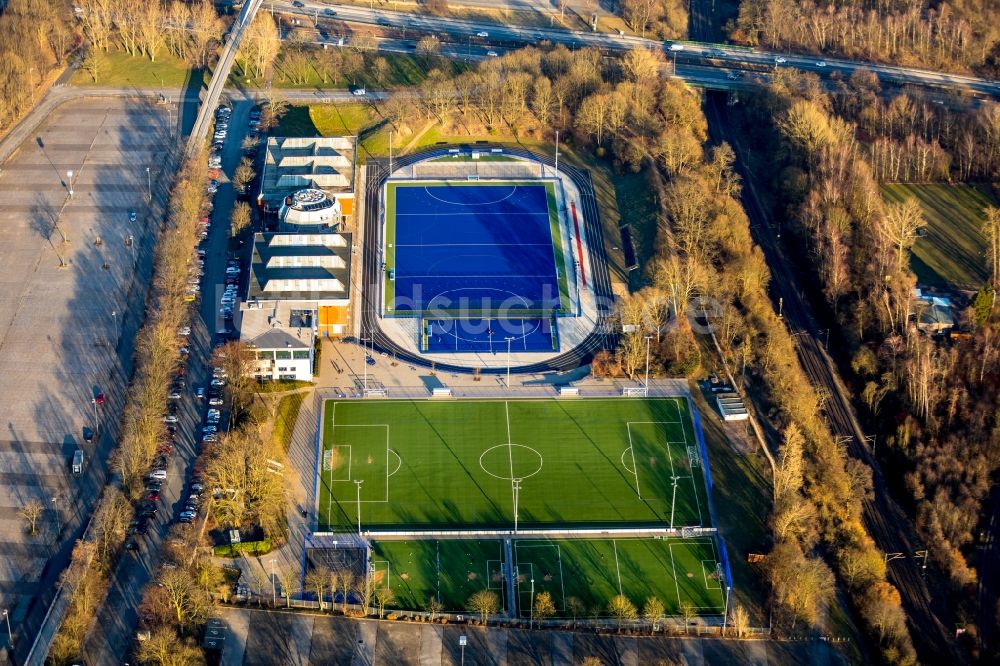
x: 614, y: 544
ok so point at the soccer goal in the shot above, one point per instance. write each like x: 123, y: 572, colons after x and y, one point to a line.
x: 377, y: 393
x: 634, y: 392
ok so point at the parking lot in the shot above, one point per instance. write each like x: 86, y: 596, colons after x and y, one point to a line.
x: 78, y: 211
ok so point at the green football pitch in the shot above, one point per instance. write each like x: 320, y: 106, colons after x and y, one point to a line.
x: 675, y: 571
x: 589, y: 463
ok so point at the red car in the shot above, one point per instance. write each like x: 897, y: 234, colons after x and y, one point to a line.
x: 165, y: 448
x: 153, y: 497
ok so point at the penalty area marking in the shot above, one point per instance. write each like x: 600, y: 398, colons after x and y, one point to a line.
x: 350, y: 476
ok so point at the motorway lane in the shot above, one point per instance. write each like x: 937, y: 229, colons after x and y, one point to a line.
x: 694, y: 52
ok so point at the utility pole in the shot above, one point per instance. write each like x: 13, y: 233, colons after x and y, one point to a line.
x: 531, y: 617
x: 390, y: 153
x: 149, y: 187
x: 10, y: 636
x: 516, y: 485
x: 673, y: 501
x: 69, y: 178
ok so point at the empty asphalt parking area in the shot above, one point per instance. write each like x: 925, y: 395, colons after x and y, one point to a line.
x: 74, y: 270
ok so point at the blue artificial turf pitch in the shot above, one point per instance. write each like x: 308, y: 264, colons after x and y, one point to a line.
x: 489, y: 336
x: 467, y: 248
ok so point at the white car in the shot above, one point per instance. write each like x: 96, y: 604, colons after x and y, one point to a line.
x: 185, y: 330
x: 158, y: 474
x: 492, y: 54
x: 780, y: 60
x: 483, y: 34
x: 359, y: 92
x: 170, y: 418
x: 215, y: 402
x: 821, y: 63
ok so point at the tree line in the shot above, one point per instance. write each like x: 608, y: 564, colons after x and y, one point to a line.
x: 933, y: 403
x: 36, y: 37
x: 963, y: 35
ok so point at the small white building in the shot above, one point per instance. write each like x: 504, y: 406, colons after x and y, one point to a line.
x: 299, y: 289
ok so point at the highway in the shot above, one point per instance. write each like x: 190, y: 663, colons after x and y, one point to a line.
x: 704, y: 53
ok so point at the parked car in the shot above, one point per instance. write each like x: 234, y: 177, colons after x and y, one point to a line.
x: 187, y: 517
x: 158, y: 474
x: 170, y: 418
x: 218, y: 382
x: 210, y: 437
x: 132, y: 216
x: 184, y: 331
x: 199, y: 393
x: 174, y: 395
x: 216, y: 402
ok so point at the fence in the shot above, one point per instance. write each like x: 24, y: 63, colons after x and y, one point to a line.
x: 491, y: 387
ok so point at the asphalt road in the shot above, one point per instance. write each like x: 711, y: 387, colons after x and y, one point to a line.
x: 705, y: 53
x: 119, y: 613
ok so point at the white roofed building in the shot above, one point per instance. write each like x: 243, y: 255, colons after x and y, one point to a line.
x: 299, y: 289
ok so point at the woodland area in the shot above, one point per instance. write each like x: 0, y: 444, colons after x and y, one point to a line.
x: 36, y: 37
x: 933, y: 402
x: 963, y: 35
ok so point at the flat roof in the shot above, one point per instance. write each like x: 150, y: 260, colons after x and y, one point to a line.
x: 300, y: 267
x: 321, y: 163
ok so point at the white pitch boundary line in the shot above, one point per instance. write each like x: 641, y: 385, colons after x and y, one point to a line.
x: 618, y: 569
x: 476, y: 214
x: 473, y: 245
x: 673, y: 569
x: 562, y: 581
x: 704, y: 575
x: 469, y: 204
x: 694, y: 487
x: 510, y: 456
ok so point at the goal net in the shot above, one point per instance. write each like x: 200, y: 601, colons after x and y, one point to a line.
x: 377, y: 393
x: 634, y: 391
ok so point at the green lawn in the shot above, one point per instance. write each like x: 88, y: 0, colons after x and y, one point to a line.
x: 555, y: 229
x: 284, y: 422
x: 324, y: 120
x: 952, y: 251
x: 591, y: 570
x: 119, y: 69
x: 450, y: 464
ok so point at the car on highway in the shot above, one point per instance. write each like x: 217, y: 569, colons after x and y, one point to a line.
x: 735, y: 76
x: 821, y: 63
x: 383, y: 21
x: 483, y: 34
x: 298, y: 4
x: 780, y: 60
x: 329, y: 12
x: 492, y: 54
x: 359, y: 92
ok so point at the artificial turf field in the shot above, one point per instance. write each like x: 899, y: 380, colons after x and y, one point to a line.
x: 593, y: 571
x: 473, y: 249
x: 589, y: 463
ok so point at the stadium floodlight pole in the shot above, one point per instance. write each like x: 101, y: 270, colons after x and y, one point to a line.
x: 673, y: 501
x: 557, y: 152
x: 508, y: 339
x: 390, y: 153
x: 516, y: 483
x: 10, y: 636
x: 725, y: 612
x: 274, y: 591
x: 531, y: 617
x: 646, y: 382
x: 364, y: 343
x: 358, y: 484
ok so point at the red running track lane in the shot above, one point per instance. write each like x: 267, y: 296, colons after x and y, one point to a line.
x: 579, y: 245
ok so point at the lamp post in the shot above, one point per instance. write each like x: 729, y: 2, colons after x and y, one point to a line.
x: 358, y: 484
x: 508, y: 339
x: 10, y: 636
x: 462, y: 640
x: 97, y: 422
x: 69, y: 179
x: 149, y: 186
x: 516, y: 486
x: 557, y: 152
x: 364, y: 344
x: 531, y: 617
x: 114, y: 326
x: 274, y: 592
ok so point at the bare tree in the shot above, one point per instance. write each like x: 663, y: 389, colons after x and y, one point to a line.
x: 622, y: 609
x: 434, y: 607
x: 317, y: 581
x: 383, y: 597
x: 485, y: 603
x: 240, y: 219
x: 543, y: 608
x: 243, y: 174
x: 32, y: 512
x: 652, y: 611
x: 688, y: 613
x: 741, y: 621
x: 991, y: 230
x: 287, y: 577
x: 899, y: 228
x: 429, y: 47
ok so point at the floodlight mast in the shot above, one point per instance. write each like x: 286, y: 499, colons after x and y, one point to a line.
x: 516, y: 483
x: 358, y: 484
